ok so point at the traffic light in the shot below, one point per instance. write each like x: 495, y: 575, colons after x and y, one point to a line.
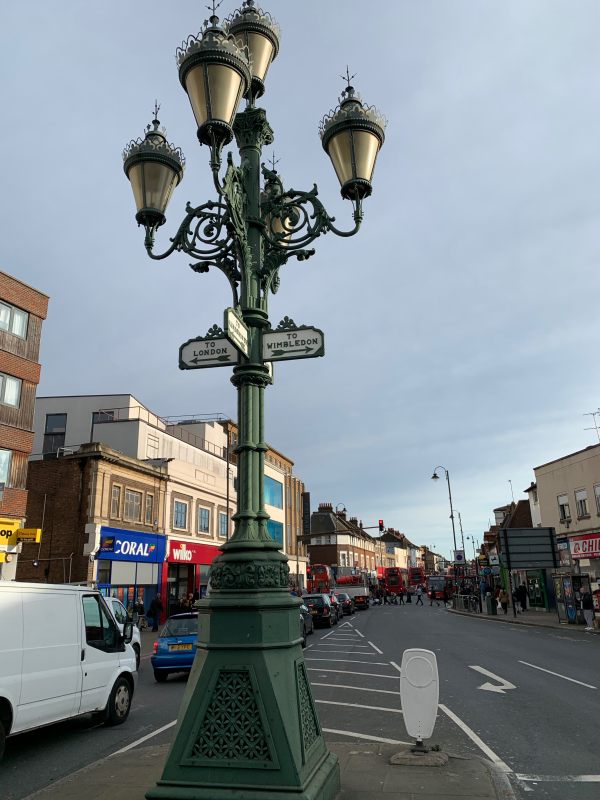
x: 380, y: 526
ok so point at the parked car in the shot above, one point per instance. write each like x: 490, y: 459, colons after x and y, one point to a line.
x: 175, y: 648
x: 321, y: 609
x: 346, y: 602
x: 307, y: 626
x: 121, y: 616
x: 61, y: 656
x: 337, y: 607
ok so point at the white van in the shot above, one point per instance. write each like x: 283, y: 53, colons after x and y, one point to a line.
x: 61, y: 655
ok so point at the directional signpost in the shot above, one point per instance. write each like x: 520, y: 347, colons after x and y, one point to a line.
x: 290, y: 342
x: 212, y: 350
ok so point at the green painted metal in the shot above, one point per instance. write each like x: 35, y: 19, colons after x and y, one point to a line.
x: 248, y: 726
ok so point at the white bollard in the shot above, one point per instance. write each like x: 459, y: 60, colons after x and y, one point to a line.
x: 419, y: 693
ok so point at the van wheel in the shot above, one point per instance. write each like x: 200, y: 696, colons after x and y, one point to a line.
x: 119, y: 702
x: 138, y: 655
x: 2, y: 739
x: 160, y: 676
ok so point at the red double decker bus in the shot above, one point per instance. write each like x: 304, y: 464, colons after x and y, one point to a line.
x: 319, y: 579
x: 416, y: 576
x: 393, y: 579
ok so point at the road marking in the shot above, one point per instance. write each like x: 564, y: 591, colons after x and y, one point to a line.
x: 393, y: 663
x: 346, y: 642
x: 490, y: 687
x: 559, y: 778
x: 143, y: 739
x: 347, y: 672
x: 358, y: 705
x: 474, y: 738
x: 359, y: 633
x: 356, y: 688
x: 349, y: 652
x: 351, y: 661
x: 364, y: 736
x: 558, y: 675
x: 376, y: 648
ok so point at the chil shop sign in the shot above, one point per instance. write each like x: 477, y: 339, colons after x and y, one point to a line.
x: 119, y: 545
x: 587, y: 546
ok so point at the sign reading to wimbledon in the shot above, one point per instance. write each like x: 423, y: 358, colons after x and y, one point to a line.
x: 291, y: 343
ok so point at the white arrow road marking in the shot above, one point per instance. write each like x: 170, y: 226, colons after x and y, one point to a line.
x: 491, y: 687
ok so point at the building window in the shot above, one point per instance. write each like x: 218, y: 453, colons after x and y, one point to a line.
x: 581, y: 503
x: 5, y: 459
x: 223, y: 525
x: 563, y: 508
x: 275, y: 530
x: 54, y: 433
x: 13, y: 320
x: 10, y: 390
x: 203, y: 520
x: 152, y: 446
x: 597, y: 496
x: 103, y: 416
x: 149, y: 509
x: 273, y: 492
x: 115, y: 502
x: 180, y: 510
x: 133, y: 506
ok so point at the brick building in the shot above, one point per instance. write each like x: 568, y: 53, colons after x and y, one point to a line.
x: 342, y: 542
x: 22, y: 312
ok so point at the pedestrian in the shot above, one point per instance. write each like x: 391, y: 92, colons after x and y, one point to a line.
x: 503, y: 598
x: 156, y: 608
x: 445, y: 596
x: 419, y: 595
x: 587, y: 606
x: 401, y: 596
x: 521, y: 595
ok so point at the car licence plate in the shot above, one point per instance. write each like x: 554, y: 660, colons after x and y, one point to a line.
x: 180, y: 647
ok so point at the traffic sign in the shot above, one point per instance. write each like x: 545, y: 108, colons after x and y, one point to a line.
x: 291, y: 342
x: 236, y: 331
x: 487, y: 570
x: 207, y: 352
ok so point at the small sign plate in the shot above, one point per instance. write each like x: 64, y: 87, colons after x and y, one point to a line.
x: 236, y: 331
x: 292, y: 343
x: 200, y: 353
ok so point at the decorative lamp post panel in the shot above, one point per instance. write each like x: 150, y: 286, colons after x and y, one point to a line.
x: 249, y: 725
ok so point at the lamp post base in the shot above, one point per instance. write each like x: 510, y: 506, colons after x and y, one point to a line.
x: 248, y: 725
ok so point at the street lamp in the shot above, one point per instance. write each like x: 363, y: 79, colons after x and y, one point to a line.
x: 436, y: 477
x: 249, y: 726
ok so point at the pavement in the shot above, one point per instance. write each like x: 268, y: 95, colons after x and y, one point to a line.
x: 366, y: 774
x: 538, y: 619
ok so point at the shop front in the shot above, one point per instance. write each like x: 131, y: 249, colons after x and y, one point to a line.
x: 187, y: 573
x: 129, y: 565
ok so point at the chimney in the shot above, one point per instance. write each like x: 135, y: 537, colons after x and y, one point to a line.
x: 325, y: 507
x: 353, y: 521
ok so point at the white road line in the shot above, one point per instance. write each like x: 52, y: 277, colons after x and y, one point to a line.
x: 350, y: 661
x: 364, y: 736
x: 558, y: 675
x: 559, y: 778
x: 359, y: 633
x: 349, y: 652
x: 345, y: 642
x: 144, y: 739
x: 347, y: 672
x: 376, y: 648
x: 474, y: 738
x: 393, y: 663
x: 356, y: 688
x: 358, y: 705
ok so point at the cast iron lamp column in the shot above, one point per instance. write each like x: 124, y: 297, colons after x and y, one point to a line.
x: 248, y: 726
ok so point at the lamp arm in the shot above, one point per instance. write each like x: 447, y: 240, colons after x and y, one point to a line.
x: 205, y: 235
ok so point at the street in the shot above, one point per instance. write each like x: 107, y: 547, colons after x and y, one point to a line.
x: 523, y: 697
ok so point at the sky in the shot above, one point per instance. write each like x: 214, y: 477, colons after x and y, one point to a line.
x: 460, y: 323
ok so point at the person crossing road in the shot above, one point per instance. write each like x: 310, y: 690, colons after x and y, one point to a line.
x: 419, y: 595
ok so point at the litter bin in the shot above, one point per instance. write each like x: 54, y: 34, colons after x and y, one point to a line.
x: 491, y: 606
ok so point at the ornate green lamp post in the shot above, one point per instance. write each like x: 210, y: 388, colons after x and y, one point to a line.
x: 248, y: 725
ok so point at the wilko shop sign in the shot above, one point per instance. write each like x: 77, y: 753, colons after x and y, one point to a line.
x: 586, y: 546
x: 120, y: 545
x: 181, y: 552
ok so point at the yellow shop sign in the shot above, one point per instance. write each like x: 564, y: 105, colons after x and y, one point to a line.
x: 29, y: 535
x: 9, y: 530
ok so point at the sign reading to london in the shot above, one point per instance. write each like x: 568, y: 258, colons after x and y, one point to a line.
x: 212, y: 350
x: 236, y: 331
x: 290, y: 341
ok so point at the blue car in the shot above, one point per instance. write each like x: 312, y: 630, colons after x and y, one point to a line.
x: 175, y: 647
